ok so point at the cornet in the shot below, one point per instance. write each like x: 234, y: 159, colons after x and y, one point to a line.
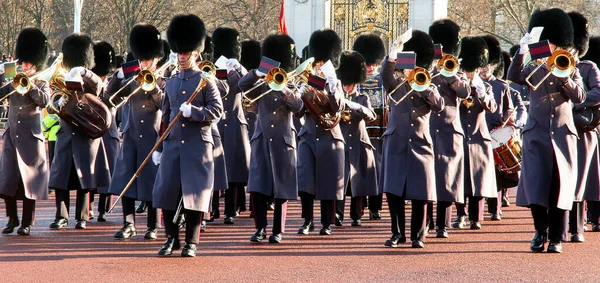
x: 561, y: 64
x: 418, y: 79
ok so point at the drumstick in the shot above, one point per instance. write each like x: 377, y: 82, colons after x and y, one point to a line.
x: 508, y: 118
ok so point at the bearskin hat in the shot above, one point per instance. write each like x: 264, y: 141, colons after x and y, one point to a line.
x: 279, y: 48
x: 104, y: 58
x: 353, y: 69
x: 513, y: 49
x: 129, y: 57
x: 422, y: 45
x: 502, y: 69
x: 325, y: 45
x: 226, y: 43
x: 474, y: 53
x: 119, y: 60
x: 371, y: 47
x: 207, y: 54
x: 581, y: 36
x: 593, y: 53
x: 166, y: 52
x: 558, y: 28
x: 186, y: 33
x: 494, y: 49
x: 145, y: 43
x: 32, y: 47
x: 250, y: 55
x: 446, y: 32
x: 78, y: 51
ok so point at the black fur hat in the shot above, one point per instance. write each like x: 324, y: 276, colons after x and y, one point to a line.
x: 325, y: 45
x: 104, y: 58
x: 166, y: 52
x: 226, y: 43
x: 32, y: 47
x: 446, y: 32
x: 119, y: 60
x: 494, y: 49
x: 279, y: 48
x: 371, y: 47
x: 558, y: 28
x: 129, y: 57
x: 502, y: 68
x: 593, y: 53
x: 145, y: 43
x: 207, y: 54
x: 186, y: 33
x: 353, y: 69
x: 581, y: 36
x: 78, y: 51
x: 422, y: 45
x: 513, y: 49
x: 250, y: 55
x: 474, y: 53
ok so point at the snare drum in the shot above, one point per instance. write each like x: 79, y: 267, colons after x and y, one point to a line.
x: 507, y: 149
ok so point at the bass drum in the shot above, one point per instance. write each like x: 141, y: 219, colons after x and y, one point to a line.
x: 376, y: 128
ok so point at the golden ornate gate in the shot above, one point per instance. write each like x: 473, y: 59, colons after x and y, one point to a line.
x: 350, y: 18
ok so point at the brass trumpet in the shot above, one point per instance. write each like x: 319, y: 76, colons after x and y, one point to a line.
x: 419, y: 80
x: 448, y: 66
x: 207, y: 67
x: 561, y: 64
x: 22, y: 84
x: 276, y: 79
x: 468, y: 102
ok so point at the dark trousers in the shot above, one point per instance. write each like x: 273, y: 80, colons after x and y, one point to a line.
x: 104, y: 201
x: 192, y: 225
x: 327, y: 209
x: 417, y: 221
x: 576, y: 218
x: 375, y: 202
x: 444, y: 214
x: 356, y: 206
x: 552, y: 218
x: 475, y: 206
x: 259, y: 206
x: 128, y: 205
x: 429, y: 212
x: 594, y: 208
x: 215, y: 203
x: 51, y: 145
x: 28, y: 211
x: 82, y: 204
x: 235, y: 199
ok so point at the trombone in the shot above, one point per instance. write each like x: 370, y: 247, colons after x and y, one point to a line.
x: 448, y: 66
x: 22, y: 84
x: 207, y: 67
x: 418, y: 79
x: 146, y: 80
x: 561, y: 64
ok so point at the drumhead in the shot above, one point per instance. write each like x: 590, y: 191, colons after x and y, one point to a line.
x: 501, y: 136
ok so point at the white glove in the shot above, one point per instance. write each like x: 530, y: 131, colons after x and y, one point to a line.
x: 62, y: 101
x: 233, y: 64
x: 156, y: 157
x: 479, y: 86
x: 353, y: 105
x: 259, y: 73
x: 519, y: 124
x: 186, y: 110
x: 216, y: 121
x: 396, y: 47
x: 173, y: 58
x: 332, y: 82
x: 2, y: 68
x: 80, y: 70
x: 524, y: 43
x: 302, y: 88
x: 120, y: 74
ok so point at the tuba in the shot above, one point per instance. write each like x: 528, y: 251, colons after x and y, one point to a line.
x: 561, y: 64
x: 317, y: 102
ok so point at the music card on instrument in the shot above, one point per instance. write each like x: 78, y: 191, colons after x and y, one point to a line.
x: 540, y: 50
x: 535, y: 33
x: 407, y: 35
x: 406, y: 60
x: 328, y: 70
x: 10, y: 70
x: 221, y: 63
x: 266, y: 64
x: 317, y: 82
x: 438, y: 51
x: 74, y: 84
x: 221, y: 74
x: 131, y: 68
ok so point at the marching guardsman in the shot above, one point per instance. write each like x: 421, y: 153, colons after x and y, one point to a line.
x: 371, y: 47
x: 480, y: 178
x: 503, y: 114
x: 80, y: 162
x: 273, y: 160
x: 549, y: 165
x: 592, y: 192
x: 446, y: 129
x: 408, y: 171
x: 588, y: 173
x: 359, y: 173
x: 233, y: 126
x: 185, y: 177
x: 320, y: 150
x: 24, y: 173
x: 250, y: 59
x: 104, y: 64
x: 140, y: 126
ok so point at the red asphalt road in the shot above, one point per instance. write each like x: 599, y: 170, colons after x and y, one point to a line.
x: 499, y: 252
